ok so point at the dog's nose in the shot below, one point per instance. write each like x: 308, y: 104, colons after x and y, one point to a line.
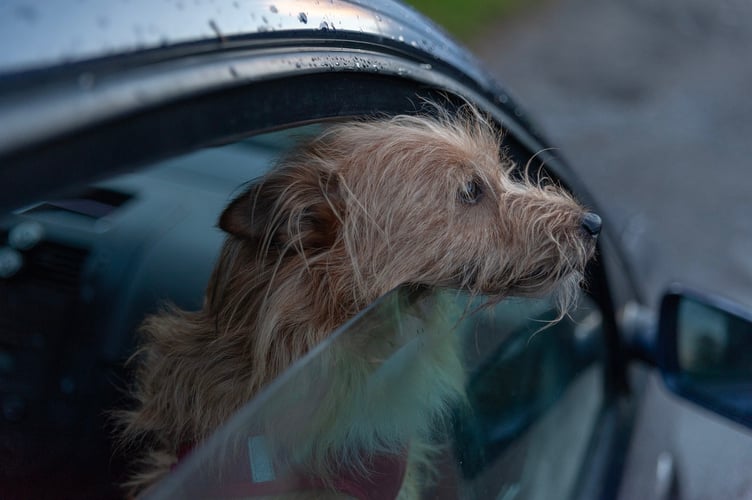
x: 591, y: 222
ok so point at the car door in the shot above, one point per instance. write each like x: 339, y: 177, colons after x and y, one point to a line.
x: 101, y: 116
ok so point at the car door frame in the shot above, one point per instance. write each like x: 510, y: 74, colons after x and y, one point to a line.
x: 142, y: 108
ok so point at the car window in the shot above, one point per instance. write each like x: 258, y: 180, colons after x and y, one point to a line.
x: 534, y: 392
x: 532, y: 387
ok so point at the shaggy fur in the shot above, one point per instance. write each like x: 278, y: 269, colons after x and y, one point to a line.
x: 346, y: 217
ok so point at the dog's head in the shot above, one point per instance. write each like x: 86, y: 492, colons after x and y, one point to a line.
x: 419, y: 200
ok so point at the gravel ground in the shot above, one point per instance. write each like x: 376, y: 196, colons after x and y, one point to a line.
x: 650, y: 102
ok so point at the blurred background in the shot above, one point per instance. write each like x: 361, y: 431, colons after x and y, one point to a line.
x: 650, y: 103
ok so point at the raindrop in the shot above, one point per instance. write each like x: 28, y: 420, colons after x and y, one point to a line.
x: 323, y: 26
x: 378, y: 18
x: 503, y: 98
x: 263, y: 18
x: 27, y: 13
x: 303, y: 18
x: 86, y: 81
x: 414, y: 43
x: 234, y: 72
x: 426, y: 66
x: 215, y: 28
x: 141, y: 96
x: 297, y: 65
x: 401, y: 38
x: 273, y: 9
x: 67, y: 385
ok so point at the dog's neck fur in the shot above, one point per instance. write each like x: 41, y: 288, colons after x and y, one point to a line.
x: 241, y: 289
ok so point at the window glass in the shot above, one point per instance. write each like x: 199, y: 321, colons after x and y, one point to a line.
x: 533, y: 393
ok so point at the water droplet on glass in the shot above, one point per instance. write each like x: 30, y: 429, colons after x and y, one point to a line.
x: 426, y: 66
x: 86, y: 81
x: 401, y: 38
x: 263, y: 18
x: 67, y: 385
x: 234, y: 72
x: 27, y: 13
x: 323, y: 26
x: 273, y: 9
x: 303, y: 18
x: 215, y: 28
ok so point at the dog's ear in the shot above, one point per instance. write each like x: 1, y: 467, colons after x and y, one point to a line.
x: 291, y: 207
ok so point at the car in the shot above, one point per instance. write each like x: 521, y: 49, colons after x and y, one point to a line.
x: 125, y: 133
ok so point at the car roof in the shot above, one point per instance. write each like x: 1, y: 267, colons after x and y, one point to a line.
x: 41, y: 34
x: 77, y: 63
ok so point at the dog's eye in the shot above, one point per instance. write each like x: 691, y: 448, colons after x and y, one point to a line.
x: 471, y: 192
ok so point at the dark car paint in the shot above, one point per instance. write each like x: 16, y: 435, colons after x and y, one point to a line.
x: 106, y: 59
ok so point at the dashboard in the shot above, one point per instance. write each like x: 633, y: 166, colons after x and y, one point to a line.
x: 77, y: 276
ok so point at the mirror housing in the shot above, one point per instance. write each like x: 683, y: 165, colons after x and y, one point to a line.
x: 704, y: 352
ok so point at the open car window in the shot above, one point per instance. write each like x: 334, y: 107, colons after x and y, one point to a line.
x: 534, y: 393
x: 533, y: 389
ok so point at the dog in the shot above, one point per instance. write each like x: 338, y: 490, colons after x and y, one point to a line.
x: 427, y: 201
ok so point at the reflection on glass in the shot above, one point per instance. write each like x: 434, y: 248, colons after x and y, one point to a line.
x: 715, y: 356
x: 713, y: 343
x: 502, y: 402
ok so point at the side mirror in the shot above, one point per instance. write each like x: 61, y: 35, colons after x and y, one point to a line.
x: 705, y: 352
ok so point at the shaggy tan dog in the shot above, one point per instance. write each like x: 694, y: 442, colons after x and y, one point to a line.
x: 346, y: 217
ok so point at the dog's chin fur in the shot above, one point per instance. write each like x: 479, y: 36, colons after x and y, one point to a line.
x: 363, y: 208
